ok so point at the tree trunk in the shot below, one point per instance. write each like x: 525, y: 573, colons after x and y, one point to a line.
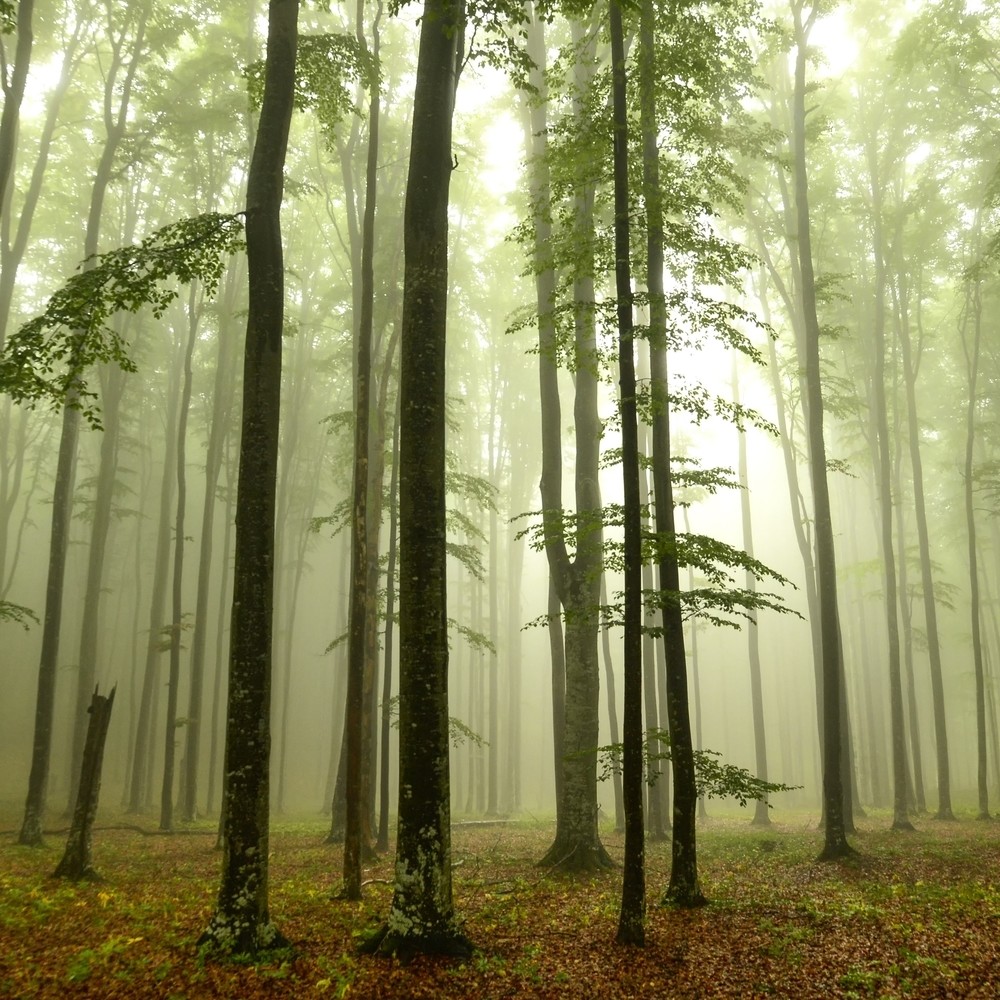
x: 910, y: 368
x: 631, y: 918
x: 971, y: 348
x: 76, y: 861
x: 835, y: 845
x: 241, y: 922
x: 884, y: 489
x: 577, y: 845
x: 422, y: 917
x: 385, y: 721
x: 761, y: 812
x: 177, y: 610
x: 222, y: 403
x: 684, y: 888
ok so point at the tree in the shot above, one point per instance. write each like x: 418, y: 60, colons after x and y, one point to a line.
x: 576, y: 578
x: 633, y: 905
x: 421, y: 916
x: 241, y: 922
x: 835, y: 845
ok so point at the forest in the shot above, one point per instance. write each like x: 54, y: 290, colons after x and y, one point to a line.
x: 497, y: 499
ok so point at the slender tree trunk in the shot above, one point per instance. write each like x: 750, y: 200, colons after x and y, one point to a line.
x: 13, y: 84
x: 100, y: 528
x: 910, y: 367
x: 612, y: 702
x: 385, y: 722
x: 884, y: 488
x: 177, y: 579
x: 422, y: 917
x: 577, y: 843
x: 222, y: 400
x: 684, y: 888
x: 62, y: 497
x: 241, y: 922
x: 631, y: 918
x: 835, y: 831
x: 971, y: 348
x: 761, y: 813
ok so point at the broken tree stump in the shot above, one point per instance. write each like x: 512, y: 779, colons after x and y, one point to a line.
x: 76, y: 863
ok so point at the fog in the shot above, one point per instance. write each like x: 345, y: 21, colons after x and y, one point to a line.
x: 182, y: 148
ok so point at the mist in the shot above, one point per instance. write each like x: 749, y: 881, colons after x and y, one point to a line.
x: 131, y: 123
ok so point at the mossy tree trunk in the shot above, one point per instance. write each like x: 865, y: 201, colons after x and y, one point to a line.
x: 241, y: 922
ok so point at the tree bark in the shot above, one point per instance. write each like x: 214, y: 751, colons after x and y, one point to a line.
x: 76, y: 860
x: 421, y: 916
x: 835, y: 833
x: 631, y: 917
x: 900, y: 821
x: 241, y: 922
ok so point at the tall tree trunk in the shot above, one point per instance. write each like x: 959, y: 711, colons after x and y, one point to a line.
x: 577, y: 843
x: 970, y: 347
x: 241, y: 921
x: 62, y: 496
x: 422, y: 917
x: 631, y: 918
x: 142, y: 754
x: 222, y: 404
x: 684, y: 888
x: 612, y: 702
x: 910, y: 368
x: 361, y: 607
x: 177, y: 579
x: 835, y: 831
x: 13, y: 84
x: 90, y: 629
x: 385, y: 721
x: 884, y: 489
x: 761, y: 812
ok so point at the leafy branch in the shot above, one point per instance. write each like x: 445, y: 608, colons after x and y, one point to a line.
x: 48, y: 357
x: 714, y: 779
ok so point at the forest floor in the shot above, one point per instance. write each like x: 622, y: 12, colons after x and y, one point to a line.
x: 914, y: 915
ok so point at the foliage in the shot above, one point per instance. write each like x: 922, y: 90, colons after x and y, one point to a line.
x: 324, y: 66
x: 713, y: 778
x: 18, y: 613
x: 49, y: 357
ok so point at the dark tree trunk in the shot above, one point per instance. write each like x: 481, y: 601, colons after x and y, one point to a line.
x: 422, y: 917
x: 113, y: 384
x: 631, y: 918
x: 836, y: 844
x: 971, y: 349
x: 241, y: 922
x: 62, y: 502
x: 361, y: 606
x: 177, y: 579
x: 76, y: 861
x: 684, y: 888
